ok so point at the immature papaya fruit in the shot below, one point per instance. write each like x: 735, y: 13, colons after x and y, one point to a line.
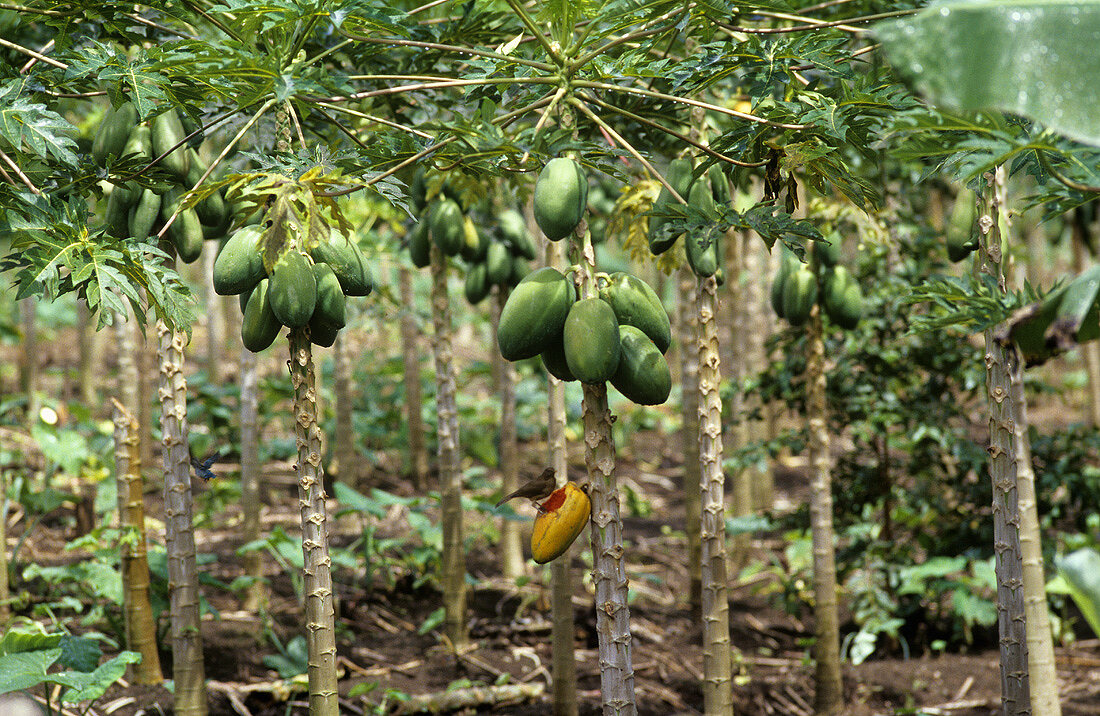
x: 240, y: 263
x: 799, y: 295
x: 498, y: 263
x: 322, y: 334
x: 702, y: 251
x: 142, y: 217
x: 112, y: 133
x: 513, y: 229
x: 534, y: 314
x: 448, y: 232
x: 520, y: 269
x: 561, y: 196
x: 420, y: 246
x: 212, y: 210
x: 259, y: 327
x: 564, y: 516
x: 116, y: 214
x: 961, y: 234
x: 642, y: 375
x: 167, y: 133
x: 293, y: 289
x: 679, y: 177
x: 788, y: 262
x: 842, y: 298
x: 139, y: 145
x: 330, y: 310
x: 418, y: 191
x: 827, y: 253
x: 475, y: 244
x: 591, y: 340
x: 719, y: 184
x: 636, y: 304
x: 477, y: 284
x: 186, y: 233
x: 553, y: 359
x: 347, y: 262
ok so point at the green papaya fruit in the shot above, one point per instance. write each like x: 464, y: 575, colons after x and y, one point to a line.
x: 212, y: 210
x: 116, y: 214
x: 347, y: 262
x: 534, y: 314
x: 591, y: 340
x: 330, y: 307
x: 719, y: 185
x: 636, y: 304
x: 259, y: 327
x: 679, y: 177
x: 788, y: 262
x: 553, y: 359
x: 827, y: 252
x: 142, y: 217
x: 498, y: 263
x: 418, y: 191
x: 520, y: 269
x: 322, y: 334
x: 167, y: 133
x: 961, y: 234
x: 477, y: 284
x: 475, y: 244
x: 139, y: 145
x: 186, y: 233
x: 642, y: 375
x: 447, y: 227
x: 240, y: 263
x: 842, y: 298
x: 112, y: 133
x: 293, y: 289
x: 799, y: 295
x: 420, y: 247
x: 561, y: 196
x: 513, y: 229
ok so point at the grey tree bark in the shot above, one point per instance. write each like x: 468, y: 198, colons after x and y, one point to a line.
x: 511, y: 547
x: 256, y: 598
x: 453, y: 578
x: 688, y: 325
x: 410, y: 352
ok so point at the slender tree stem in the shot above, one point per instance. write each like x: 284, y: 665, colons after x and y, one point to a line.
x: 256, y: 597
x: 31, y: 53
x: 444, y: 84
x: 397, y: 42
x: 812, y: 24
x: 19, y: 172
x: 529, y: 23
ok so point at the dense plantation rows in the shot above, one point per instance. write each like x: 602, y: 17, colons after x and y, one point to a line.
x: 777, y: 350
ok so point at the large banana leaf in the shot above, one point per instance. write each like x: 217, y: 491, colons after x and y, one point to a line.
x: 1031, y: 57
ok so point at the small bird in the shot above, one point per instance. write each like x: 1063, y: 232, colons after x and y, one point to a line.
x: 536, y: 489
x: 202, y: 468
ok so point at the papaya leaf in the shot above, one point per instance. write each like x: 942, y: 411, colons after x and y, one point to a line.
x: 30, y: 126
x: 90, y: 686
x: 1081, y: 572
x: 1035, y: 58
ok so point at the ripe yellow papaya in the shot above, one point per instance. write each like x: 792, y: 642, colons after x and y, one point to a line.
x: 564, y: 515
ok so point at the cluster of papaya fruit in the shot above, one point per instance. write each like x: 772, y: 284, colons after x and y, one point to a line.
x: 704, y: 193
x: 140, y: 211
x: 620, y: 337
x: 299, y: 289
x: 797, y: 286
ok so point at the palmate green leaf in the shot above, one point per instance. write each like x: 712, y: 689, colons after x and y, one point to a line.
x: 30, y: 126
x: 1037, y: 58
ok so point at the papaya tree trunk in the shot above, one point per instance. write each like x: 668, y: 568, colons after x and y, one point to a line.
x: 5, y: 585
x: 128, y: 369
x: 144, y: 357
x: 28, y: 363
x: 87, y: 372
x: 1011, y: 610
x: 755, y: 329
x: 453, y: 578
x: 188, y: 671
x: 317, y: 577
x: 256, y: 598
x: 829, y: 693
x: 563, y: 660
x: 608, y: 572
x: 215, y: 330
x: 140, y: 627
x: 717, y: 677
x: 689, y: 432
x: 737, y: 279
x: 410, y: 352
x: 511, y: 547
x: 347, y: 468
x: 1040, y: 641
